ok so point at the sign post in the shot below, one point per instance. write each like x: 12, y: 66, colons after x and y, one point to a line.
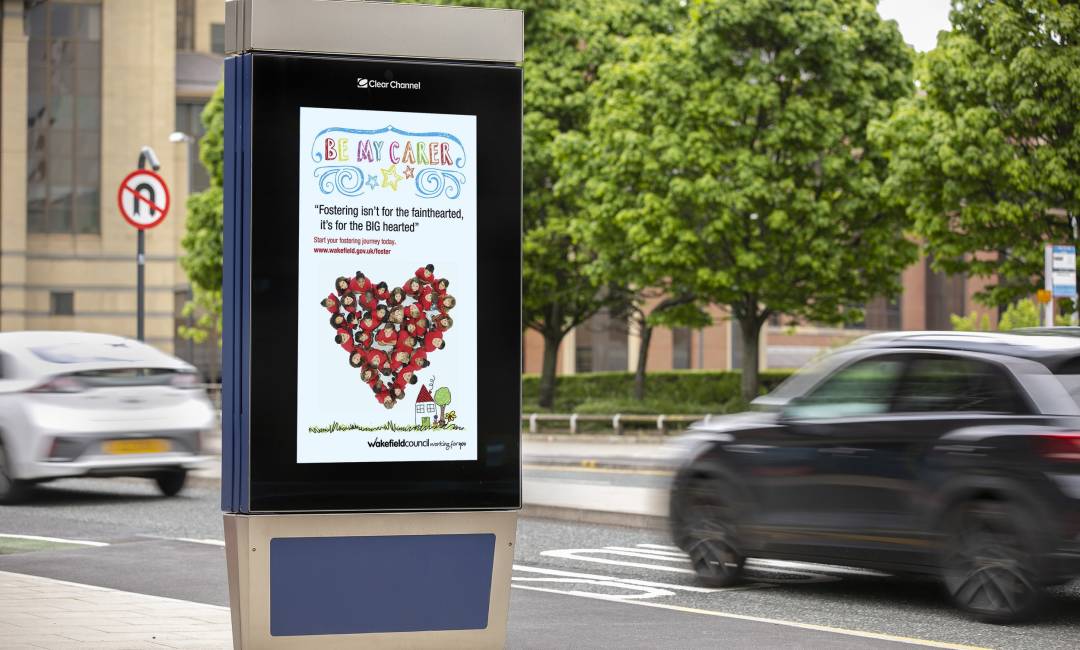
x: 1059, y: 276
x: 143, y: 199
x: 371, y: 463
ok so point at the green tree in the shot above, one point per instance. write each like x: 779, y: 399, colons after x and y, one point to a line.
x: 442, y: 398
x: 732, y: 155
x: 566, y: 42
x: 1024, y: 313
x: 203, y: 235
x: 986, y: 158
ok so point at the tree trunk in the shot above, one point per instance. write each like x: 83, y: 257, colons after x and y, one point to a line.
x: 751, y: 336
x: 642, y: 361
x: 547, y: 373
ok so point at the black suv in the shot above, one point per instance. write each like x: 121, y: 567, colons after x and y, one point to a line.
x: 918, y: 452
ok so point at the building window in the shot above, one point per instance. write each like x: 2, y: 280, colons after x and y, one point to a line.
x: 185, y: 24
x: 64, y: 118
x: 189, y: 121
x: 61, y: 303
x: 217, y: 38
x: 879, y: 314
x: 601, y: 344
x: 945, y: 295
x: 680, y: 348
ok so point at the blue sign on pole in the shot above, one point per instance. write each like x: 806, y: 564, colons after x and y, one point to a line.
x: 1063, y: 271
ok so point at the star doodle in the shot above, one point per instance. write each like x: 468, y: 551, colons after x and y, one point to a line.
x: 390, y: 177
x: 409, y: 171
x: 373, y: 181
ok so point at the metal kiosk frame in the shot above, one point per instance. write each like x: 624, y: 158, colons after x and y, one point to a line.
x: 373, y: 554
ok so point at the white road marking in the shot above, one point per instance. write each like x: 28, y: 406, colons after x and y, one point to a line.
x: 643, y: 592
x: 37, y: 538
x: 633, y: 581
x: 652, y: 552
x: 661, y: 547
x: 642, y: 548
x: 760, y: 619
x: 578, y: 554
x: 211, y: 542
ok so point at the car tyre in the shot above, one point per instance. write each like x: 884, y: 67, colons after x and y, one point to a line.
x: 12, y: 490
x: 989, y: 561
x: 704, y: 527
x: 171, y: 482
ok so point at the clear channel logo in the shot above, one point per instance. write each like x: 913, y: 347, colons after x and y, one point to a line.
x: 362, y: 82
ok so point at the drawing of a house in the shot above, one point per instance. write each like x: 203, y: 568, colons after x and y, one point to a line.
x: 425, y: 408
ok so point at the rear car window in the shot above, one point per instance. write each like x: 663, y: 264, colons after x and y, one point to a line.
x: 1072, y: 385
x: 957, y: 384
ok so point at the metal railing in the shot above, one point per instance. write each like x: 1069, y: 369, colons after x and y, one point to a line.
x: 662, y: 424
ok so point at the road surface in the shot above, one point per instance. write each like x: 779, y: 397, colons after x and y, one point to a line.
x: 575, y: 585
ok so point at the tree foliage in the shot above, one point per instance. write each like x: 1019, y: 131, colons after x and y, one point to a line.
x: 566, y: 42
x: 204, y: 229
x: 731, y: 157
x: 986, y: 159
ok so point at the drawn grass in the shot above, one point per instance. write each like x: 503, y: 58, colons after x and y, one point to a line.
x: 388, y: 426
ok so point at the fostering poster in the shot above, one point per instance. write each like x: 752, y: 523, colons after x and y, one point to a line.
x: 387, y: 332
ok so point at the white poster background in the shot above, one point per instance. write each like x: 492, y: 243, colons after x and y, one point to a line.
x: 330, y: 393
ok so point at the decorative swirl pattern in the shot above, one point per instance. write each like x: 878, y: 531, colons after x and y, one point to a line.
x: 344, y: 179
x: 432, y: 182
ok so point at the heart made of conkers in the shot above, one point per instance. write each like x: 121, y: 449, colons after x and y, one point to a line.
x: 388, y: 332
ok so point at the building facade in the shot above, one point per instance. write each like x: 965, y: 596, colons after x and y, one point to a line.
x: 84, y: 85
x: 607, y: 344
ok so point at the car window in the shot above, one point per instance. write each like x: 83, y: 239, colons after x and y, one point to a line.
x: 1072, y: 384
x: 945, y: 383
x: 863, y: 388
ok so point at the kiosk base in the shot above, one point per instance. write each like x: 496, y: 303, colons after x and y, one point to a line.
x: 373, y: 580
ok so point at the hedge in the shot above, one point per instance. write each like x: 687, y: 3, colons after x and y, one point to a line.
x: 678, y: 391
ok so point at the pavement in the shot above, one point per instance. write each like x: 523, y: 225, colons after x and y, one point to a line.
x: 38, y: 612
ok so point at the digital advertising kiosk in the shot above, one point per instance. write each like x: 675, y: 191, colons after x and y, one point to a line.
x: 371, y: 468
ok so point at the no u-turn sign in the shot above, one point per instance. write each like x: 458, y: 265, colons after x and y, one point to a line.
x: 143, y: 199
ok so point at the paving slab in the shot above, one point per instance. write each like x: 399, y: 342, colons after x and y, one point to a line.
x: 37, y: 612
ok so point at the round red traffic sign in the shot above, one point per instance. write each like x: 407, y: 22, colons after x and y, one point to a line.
x: 143, y: 199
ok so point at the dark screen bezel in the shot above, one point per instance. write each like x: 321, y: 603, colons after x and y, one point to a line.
x: 281, y: 84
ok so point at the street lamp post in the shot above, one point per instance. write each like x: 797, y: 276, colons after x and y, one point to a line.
x: 177, y: 137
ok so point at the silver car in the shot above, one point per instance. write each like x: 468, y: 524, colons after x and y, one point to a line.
x: 81, y: 404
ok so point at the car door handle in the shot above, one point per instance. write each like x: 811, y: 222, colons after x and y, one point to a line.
x: 843, y: 451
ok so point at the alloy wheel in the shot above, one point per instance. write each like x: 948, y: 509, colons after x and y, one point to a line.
x: 710, y: 540
x: 989, y: 568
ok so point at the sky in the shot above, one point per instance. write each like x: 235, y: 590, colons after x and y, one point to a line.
x: 919, y: 20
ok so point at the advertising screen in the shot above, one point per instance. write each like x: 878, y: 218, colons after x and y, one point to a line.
x: 387, y: 275
x: 380, y: 296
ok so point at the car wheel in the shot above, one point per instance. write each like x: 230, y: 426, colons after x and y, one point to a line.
x: 705, y: 529
x: 12, y: 490
x: 990, y: 563
x: 171, y: 482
